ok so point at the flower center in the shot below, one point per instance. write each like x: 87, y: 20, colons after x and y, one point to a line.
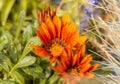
x: 56, y: 47
x: 74, y: 71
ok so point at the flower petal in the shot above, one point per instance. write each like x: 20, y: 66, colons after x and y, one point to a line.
x: 89, y: 75
x: 87, y: 59
x: 60, y: 66
x: 81, y: 52
x: 64, y: 64
x: 63, y: 55
x: 81, y: 40
x: 64, y: 33
x: 75, y: 58
x: 72, y: 33
x: 41, y: 37
x: 51, y: 27
x: 52, y: 59
x: 40, y: 51
x: 57, y: 23
x: 66, y: 20
x: 69, y: 33
x: 93, y: 67
x: 54, y: 68
x: 85, y: 68
x: 44, y: 32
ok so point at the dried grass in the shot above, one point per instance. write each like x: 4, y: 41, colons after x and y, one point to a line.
x: 107, y: 41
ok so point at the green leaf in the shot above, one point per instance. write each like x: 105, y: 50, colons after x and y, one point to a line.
x: 17, y: 77
x: 27, y: 33
x: 26, y: 61
x: 36, y: 71
x: 6, y: 35
x: 44, y: 62
x: 15, y: 50
x: 33, y: 40
x: 53, y: 78
x: 20, y: 23
x: 103, y: 71
x: 23, y: 5
x: 5, y: 10
x: 1, y: 4
x: 7, y: 82
x: 43, y: 81
x: 2, y: 43
x: 5, y: 62
x: 5, y: 38
x: 48, y: 72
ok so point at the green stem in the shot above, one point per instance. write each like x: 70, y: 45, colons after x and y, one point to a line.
x: 9, y: 74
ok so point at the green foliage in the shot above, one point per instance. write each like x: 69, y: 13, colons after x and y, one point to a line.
x: 17, y: 62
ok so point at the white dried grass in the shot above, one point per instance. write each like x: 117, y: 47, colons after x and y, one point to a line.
x: 108, y: 45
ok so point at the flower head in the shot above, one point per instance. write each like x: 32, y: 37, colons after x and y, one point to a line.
x: 57, y: 34
x: 74, y: 67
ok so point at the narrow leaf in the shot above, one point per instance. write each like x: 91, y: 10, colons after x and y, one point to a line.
x: 26, y: 61
x: 17, y: 77
x: 5, y: 10
x: 5, y: 62
x: 7, y: 82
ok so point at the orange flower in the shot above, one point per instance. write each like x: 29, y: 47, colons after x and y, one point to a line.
x: 44, y: 14
x: 57, y: 34
x: 75, y: 67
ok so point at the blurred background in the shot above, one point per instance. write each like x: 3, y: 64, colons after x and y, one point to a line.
x: 11, y: 9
